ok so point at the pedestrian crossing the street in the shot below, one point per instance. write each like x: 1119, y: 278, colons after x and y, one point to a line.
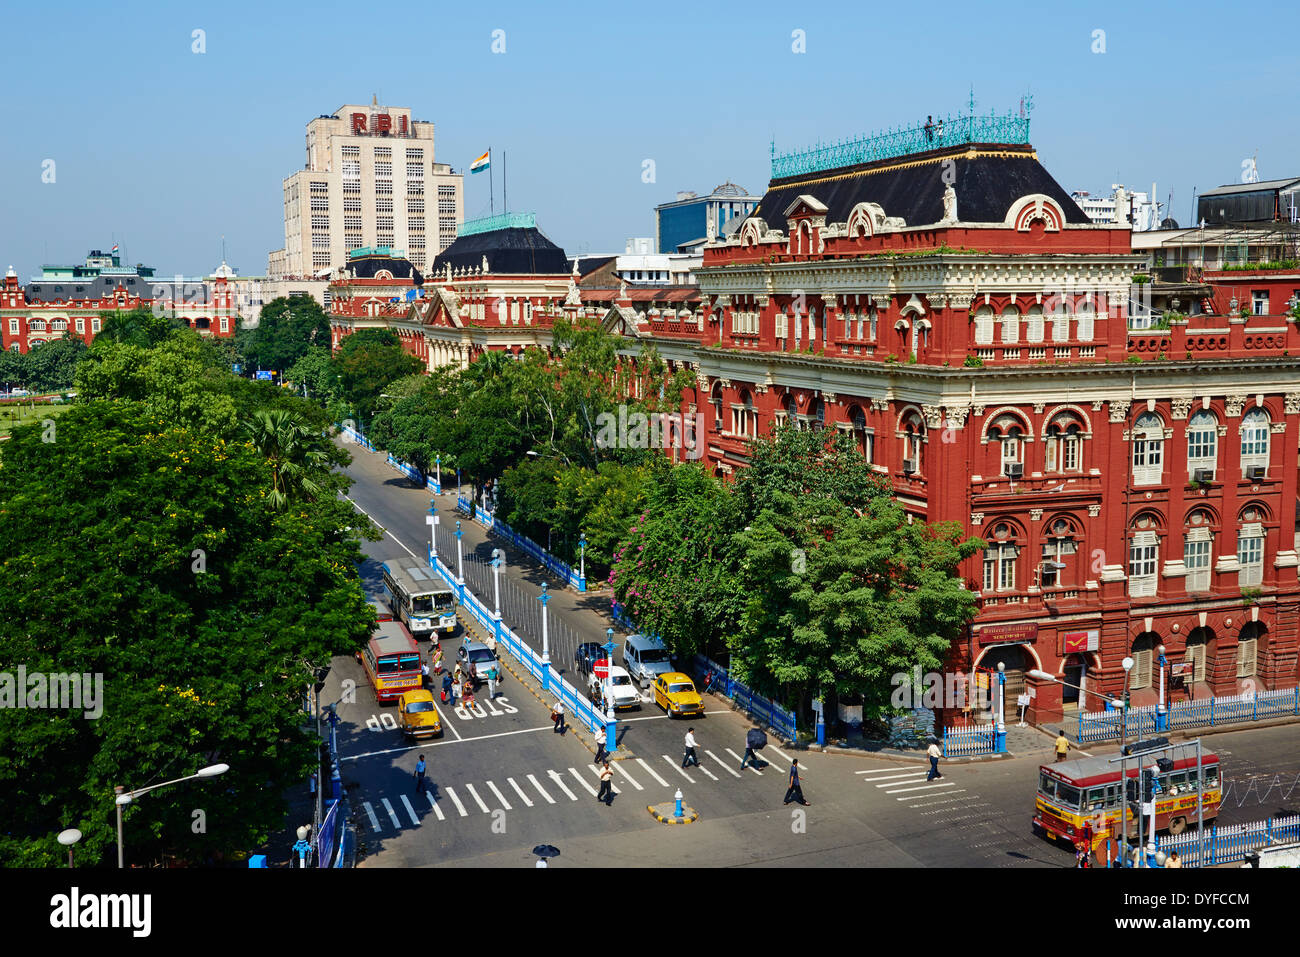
x: 456, y: 800
x: 911, y: 786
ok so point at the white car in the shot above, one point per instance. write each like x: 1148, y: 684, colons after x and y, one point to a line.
x: 620, y: 687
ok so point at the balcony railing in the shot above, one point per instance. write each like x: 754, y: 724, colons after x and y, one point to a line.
x: 945, y: 131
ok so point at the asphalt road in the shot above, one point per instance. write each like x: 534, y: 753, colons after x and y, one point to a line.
x: 502, y: 781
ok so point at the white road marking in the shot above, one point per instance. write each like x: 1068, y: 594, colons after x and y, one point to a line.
x: 707, y: 771
x: 520, y: 791
x: 748, y: 766
x: 596, y: 771
x: 679, y: 769
x: 500, y: 797
x: 474, y: 795
x: 771, y: 762
x: 651, y: 772
x: 734, y: 773
x: 438, y: 744
x: 891, y: 771
x: 434, y: 804
x: 445, y: 723
x: 370, y: 812
x: 923, y: 787
x: 537, y: 784
x: 932, y: 803
x: 456, y: 801
x: 415, y: 821
x: 391, y: 813
x: 895, y: 778
x: 583, y: 781
x: 783, y: 754
x: 618, y: 766
x: 559, y: 781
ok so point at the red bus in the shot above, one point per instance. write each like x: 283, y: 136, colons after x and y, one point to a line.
x: 392, y: 661
x: 1088, y: 791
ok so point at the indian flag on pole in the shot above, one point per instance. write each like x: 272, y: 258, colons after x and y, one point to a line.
x: 114, y: 247
x: 482, y: 163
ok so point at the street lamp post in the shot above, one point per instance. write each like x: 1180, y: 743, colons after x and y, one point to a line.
x: 432, y: 521
x: 460, y: 568
x: 1000, y: 716
x: 1162, y: 713
x: 1127, y: 664
x: 546, y: 650
x: 126, y: 797
x: 611, y: 717
x: 67, y: 839
x: 582, y: 562
x: 437, y: 474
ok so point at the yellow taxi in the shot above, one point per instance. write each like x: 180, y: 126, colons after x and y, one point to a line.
x: 676, y: 694
x: 417, y: 716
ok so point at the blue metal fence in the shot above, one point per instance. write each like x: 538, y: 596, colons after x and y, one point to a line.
x: 558, y: 568
x: 764, y: 710
x: 1224, y: 845
x: 1253, y: 706
x: 968, y: 741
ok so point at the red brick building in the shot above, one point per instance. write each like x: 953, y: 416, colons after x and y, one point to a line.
x: 951, y: 307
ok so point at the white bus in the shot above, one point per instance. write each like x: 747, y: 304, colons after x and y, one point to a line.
x: 419, y: 598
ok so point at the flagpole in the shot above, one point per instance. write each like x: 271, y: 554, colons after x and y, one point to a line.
x: 505, y: 202
x: 492, y: 209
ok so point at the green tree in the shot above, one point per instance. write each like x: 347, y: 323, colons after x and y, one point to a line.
x: 52, y: 367
x: 138, y: 327
x: 297, y: 455
x: 367, y: 362
x: 148, y: 551
x: 286, y: 329
x: 315, y: 373
x: 817, y: 463
x: 837, y: 602
x: 676, y: 572
x: 602, y: 504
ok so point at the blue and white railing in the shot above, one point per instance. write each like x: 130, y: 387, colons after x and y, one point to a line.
x: 1225, y: 845
x: 1147, y: 719
x: 555, y: 566
x: 763, y: 710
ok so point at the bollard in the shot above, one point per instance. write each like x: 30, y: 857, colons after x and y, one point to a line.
x: 678, y: 797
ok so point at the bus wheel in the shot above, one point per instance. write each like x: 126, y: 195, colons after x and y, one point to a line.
x: 1178, y: 825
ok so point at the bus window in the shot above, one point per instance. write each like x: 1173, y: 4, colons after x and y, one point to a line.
x: 1047, y: 785
x: 1112, y: 795
x: 1177, y: 780
x: 422, y: 604
x: 1067, y: 795
x: 1192, y: 783
x: 444, y: 600
x: 395, y: 664
x: 1096, y: 798
x: 1212, y: 776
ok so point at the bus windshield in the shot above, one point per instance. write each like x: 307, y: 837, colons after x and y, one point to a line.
x: 422, y: 603
x: 396, y: 664
x: 443, y: 600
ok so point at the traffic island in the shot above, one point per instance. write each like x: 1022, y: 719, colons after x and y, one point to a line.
x: 666, y: 813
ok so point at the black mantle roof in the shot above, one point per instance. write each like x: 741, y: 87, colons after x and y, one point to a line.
x: 518, y: 250
x: 986, y: 186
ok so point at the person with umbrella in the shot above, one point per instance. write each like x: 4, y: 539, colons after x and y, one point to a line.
x: 543, y: 851
x: 754, y: 741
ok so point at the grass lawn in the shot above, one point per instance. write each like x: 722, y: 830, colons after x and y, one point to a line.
x: 15, y: 414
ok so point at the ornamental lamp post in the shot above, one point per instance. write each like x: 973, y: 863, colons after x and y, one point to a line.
x: 1162, y: 713
x: 1127, y: 665
x: 999, y: 721
x: 611, y: 716
x: 546, y: 651
x: 460, y: 567
x: 437, y: 474
x: 432, y: 521
x: 582, y: 562
x: 125, y: 797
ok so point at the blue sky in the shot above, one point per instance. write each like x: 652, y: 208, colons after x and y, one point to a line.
x: 166, y: 150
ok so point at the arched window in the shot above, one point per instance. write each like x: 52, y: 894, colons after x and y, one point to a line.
x: 1254, y: 443
x: 789, y: 412
x: 862, y: 436
x: 1000, y: 556
x: 1143, y: 651
x: 1196, y: 654
x: 1034, y: 324
x: 913, y: 443
x: 1084, y: 319
x: 1010, y: 325
x: 1248, y: 649
x: 743, y: 420
x: 984, y: 326
x: 872, y: 317
x: 1202, y: 443
x: 1143, y: 556
x: 1250, y: 547
x: 849, y: 318
x: 1064, y: 446
x: 715, y: 399
x: 1148, y: 449
x: 818, y: 417
x: 1060, y: 322
x: 1058, y: 554
x: 1006, y: 430
x: 1198, y: 541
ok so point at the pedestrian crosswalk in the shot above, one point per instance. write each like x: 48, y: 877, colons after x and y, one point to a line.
x: 911, y: 786
x: 453, y: 800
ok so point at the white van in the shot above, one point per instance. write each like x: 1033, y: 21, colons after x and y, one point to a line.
x: 645, y: 658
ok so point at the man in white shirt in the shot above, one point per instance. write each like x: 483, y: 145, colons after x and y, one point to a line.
x: 601, y: 753
x: 557, y: 715
x: 934, y: 753
x: 690, y: 757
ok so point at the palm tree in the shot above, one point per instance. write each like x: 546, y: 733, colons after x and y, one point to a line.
x: 294, y: 452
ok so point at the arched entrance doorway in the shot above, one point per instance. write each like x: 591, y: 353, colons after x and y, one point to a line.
x: 1198, y: 662
x: 1251, y: 639
x: 1016, y: 661
x: 1143, y: 654
x: 1075, y: 676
